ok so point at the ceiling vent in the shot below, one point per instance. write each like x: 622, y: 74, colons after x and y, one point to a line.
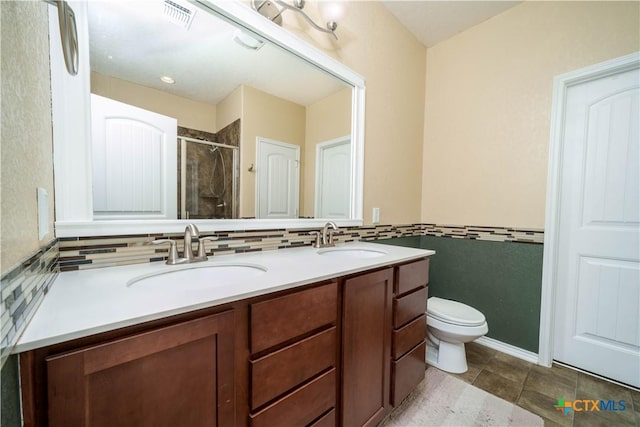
x: 179, y: 14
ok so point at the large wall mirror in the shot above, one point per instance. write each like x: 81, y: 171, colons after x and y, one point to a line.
x: 201, y: 112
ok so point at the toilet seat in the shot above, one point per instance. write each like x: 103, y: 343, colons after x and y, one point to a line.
x: 454, y: 312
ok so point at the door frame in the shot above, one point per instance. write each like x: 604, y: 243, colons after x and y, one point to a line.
x: 259, y: 141
x: 320, y: 147
x: 561, y: 84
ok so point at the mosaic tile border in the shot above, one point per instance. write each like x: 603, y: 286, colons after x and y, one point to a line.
x: 22, y: 290
x: 80, y: 253
x: 106, y: 251
x: 495, y: 234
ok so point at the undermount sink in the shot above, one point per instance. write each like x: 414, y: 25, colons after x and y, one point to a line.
x: 196, y: 277
x: 351, y: 253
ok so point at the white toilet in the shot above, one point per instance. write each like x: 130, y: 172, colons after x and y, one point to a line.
x: 450, y: 324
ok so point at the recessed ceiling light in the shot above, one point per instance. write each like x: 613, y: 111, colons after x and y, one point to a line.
x: 167, y: 80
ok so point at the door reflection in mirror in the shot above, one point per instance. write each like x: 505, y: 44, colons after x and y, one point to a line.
x: 278, y: 179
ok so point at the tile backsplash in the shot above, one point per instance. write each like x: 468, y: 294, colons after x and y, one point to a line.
x: 24, y: 287
x: 22, y: 290
x: 92, y: 252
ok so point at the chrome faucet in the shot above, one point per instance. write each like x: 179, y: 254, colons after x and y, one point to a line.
x: 325, y: 238
x: 190, y: 232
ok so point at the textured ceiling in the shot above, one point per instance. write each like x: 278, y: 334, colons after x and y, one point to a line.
x: 135, y: 41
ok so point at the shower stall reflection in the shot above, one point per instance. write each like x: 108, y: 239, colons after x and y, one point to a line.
x: 208, y: 179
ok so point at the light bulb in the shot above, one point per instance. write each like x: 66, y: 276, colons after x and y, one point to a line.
x: 331, y: 11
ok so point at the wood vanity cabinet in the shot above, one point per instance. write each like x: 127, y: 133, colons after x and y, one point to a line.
x: 366, y: 348
x: 293, y: 368
x: 181, y: 374
x: 409, y: 328
x: 339, y: 352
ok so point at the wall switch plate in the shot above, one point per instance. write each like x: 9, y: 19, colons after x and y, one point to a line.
x: 375, y: 216
x: 43, y: 213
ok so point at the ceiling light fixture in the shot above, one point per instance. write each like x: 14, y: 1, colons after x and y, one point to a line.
x: 247, y: 40
x: 331, y: 12
x: 167, y: 80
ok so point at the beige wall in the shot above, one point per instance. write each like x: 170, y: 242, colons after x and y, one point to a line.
x: 270, y: 117
x: 189, y: 113
x: 327, y: 119
x: 374, y: 44
x: 26, y: 128
x: 229, y: 109
x: 485, y: 125
x: 488, y: 106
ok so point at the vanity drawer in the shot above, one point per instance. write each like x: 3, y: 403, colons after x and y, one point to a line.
x: 412, y: 276
x: 291, y: 366
x: 410, y: 335
x: 327, y: 420
x: 281, y: 319
x: 407, y: 372
x: 302, y: 406
x: 409, y: 307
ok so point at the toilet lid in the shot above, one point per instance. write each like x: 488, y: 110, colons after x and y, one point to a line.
x: 454, y: 312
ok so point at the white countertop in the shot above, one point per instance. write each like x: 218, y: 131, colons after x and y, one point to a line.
x: 87, y: 302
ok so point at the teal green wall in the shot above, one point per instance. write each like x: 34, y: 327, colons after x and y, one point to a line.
x: 501, y: 279
x: 10, y: 415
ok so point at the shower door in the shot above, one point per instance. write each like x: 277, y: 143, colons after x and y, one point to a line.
x: 208, y: 180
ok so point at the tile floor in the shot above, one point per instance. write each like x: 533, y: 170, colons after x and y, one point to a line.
x: 537, y: 389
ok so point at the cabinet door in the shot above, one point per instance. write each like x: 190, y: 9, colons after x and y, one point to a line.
x: 177, y: 375
x: 366, y: 348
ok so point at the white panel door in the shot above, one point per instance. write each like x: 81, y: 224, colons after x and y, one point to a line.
x: 134, y: 161
x: 333, y: 173
x: 277, y: 179
x: 597, y: 314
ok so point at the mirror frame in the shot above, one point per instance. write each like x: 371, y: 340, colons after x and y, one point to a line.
x: 74, y: 210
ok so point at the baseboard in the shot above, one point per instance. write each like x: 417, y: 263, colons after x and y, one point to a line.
x: 600, y: 377
x: 509, y: 349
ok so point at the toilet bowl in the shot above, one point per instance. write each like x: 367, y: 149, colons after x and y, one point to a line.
x: 451, y: 324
